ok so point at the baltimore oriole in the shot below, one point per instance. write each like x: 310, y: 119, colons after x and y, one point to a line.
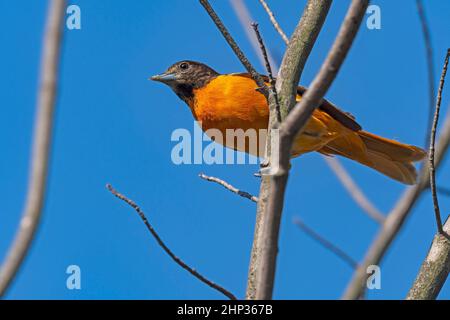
x: 231, y: 101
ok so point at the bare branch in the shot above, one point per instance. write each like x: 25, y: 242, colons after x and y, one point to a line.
x: 298, y: 50
x: 437, y: 211
x: 41, y: 145
x: 272, y: 89
x: 238, y: 52
x: 158, y: 239
x: 396, y: 219
x: 274, y: 22
x: 266, y: 235
x: 228, y: 186
x: 430, y: 64
x: 353, y: 189
x: 265, y: 244
x: 311, y: 99
x: 326, y: 243
x: 246, y: 20
x: 435, y: 268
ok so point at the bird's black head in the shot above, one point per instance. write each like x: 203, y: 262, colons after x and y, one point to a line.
x: 184, y: 76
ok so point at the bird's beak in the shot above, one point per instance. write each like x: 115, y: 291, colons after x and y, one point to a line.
x: 164, y: 77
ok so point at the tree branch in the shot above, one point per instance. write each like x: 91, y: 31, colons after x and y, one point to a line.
x: 437, y: 211
x: 265, y: 244
x: 246, y: 20
x: 263, y: 260
x: 274, y: 21
x: 233, y: 45
x: 298, y: 50
x: 326, y: 243
x: 434, y: 270
x: 272, y: 82
x: 430, y: 64
x: 311, y: 99
x: 396, y: 219
x: 41, y: 145
x: 229, y: 187
x: 158, y: 239
x: 354, y: 190
x: 266, y: 236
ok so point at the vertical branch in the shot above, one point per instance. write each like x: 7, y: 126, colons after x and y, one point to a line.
x: 430, y: 63
x: 298, y: 50
x: 263, y: 258
x: 270, y: 206
x: 435, y: 268
x: 437, y: 211
x: 41, y: 145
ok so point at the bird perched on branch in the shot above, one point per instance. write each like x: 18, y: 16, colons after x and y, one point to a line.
x: 232, y: 101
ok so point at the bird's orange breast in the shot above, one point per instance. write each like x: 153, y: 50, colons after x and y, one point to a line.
x: 230, y: 102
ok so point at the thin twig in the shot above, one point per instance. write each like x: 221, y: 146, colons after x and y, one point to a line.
x: 430, y: 64
x: 354, y: 190
x: 437, y: 210
x: 326, y: 243
x: 245, y: 18
x: 233, y: 45
x: 41, y: 145
x: 158, y: 239
x: 396, y: 219
x: 314, y: 235
x: 228, y: 186
x: 269, y: 69
x: 274, y: 22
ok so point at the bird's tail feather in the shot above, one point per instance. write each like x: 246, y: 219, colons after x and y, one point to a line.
x: 392, y: 158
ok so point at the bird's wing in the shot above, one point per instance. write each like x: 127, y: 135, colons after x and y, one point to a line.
x: 345, y: 118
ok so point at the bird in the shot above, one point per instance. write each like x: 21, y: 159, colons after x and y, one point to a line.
x: 232, y: 101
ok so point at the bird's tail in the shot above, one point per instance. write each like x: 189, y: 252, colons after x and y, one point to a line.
x: 391, y: 158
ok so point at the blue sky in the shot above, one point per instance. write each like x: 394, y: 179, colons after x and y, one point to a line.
x: 114, y: 126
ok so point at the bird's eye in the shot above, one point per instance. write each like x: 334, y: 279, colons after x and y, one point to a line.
x: 184, y: 66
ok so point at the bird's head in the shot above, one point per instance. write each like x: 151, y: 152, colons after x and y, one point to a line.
x: 185, y: 76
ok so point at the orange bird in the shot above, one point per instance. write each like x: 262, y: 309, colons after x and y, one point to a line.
x: 231, y: 101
